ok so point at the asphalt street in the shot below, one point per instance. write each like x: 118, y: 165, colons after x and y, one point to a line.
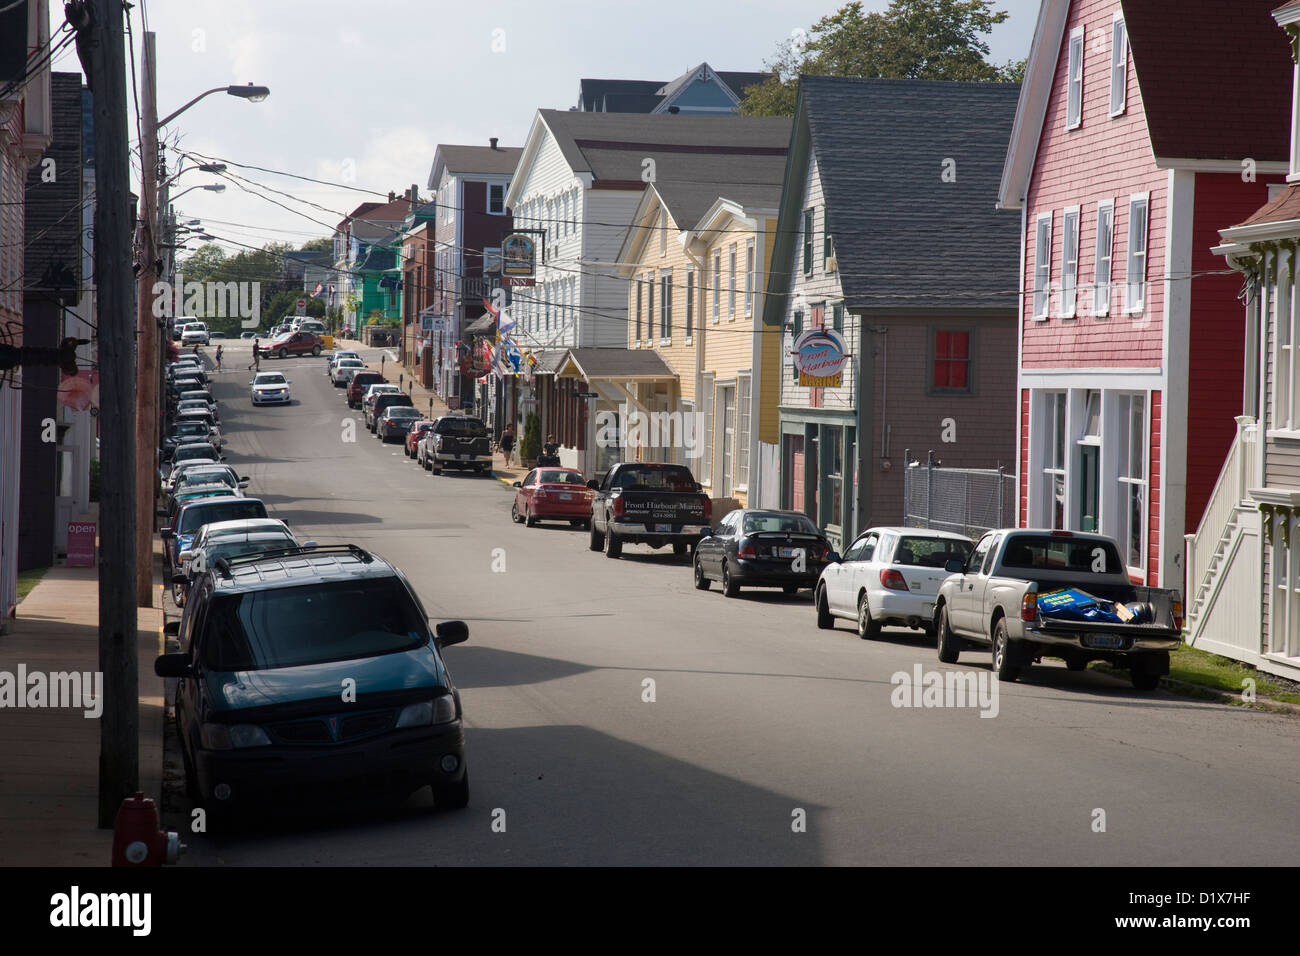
x: 767, y: 741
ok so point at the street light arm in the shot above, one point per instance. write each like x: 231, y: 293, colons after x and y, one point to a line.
x: 171, y: 116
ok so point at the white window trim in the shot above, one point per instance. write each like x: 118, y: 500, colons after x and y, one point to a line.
x: 743, y: 440
x: 732, y: 290
x: 504, y: 187
x: 750, y: 265
x: 708, y: 391
x: 1145, y: 199
x: 1047, y: 284
x: 717, y: 285
x: 691, y: 304
x: 1070, y: 297
x: 1118, y: 19
x: 1125, y: 482
x: 1107, y: 204
x: 1071, y: 63
x: 666, y: 306
x: 663, y: 233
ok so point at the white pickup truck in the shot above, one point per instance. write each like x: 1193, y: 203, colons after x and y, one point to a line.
x: 1089, y: 609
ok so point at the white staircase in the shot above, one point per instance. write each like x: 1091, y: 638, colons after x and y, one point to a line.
x: 1223, y: 593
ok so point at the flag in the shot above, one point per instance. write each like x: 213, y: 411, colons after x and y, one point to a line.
x: 316, y: 292
x: 505, y: 321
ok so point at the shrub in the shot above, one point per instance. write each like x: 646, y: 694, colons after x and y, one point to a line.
x: 531, y: 446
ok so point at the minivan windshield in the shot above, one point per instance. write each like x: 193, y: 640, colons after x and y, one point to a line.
x: 311, y: 624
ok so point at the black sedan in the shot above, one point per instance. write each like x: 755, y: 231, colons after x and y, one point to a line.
x: 758, y: 548
x: 394, y: 422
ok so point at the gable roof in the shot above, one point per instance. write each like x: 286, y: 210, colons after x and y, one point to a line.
x: 1191, y: 114
x: 905, y: 240
x: 592, y: 93
x: 643, y: 96
x: 469, y: 160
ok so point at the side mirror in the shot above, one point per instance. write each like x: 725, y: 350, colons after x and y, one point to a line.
x: 173, y: 665
x: 833, y: 558
x: 955, y: 566
x: 594, y: 485
x: 516, y: 484
x: 308, y: 544
x: 243, y: 482
x: 451, y: 632
x: 172, y: 628
x: 165, y: 532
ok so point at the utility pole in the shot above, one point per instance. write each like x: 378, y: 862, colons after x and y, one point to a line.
x: 146, y: 422
x: 98, y: 25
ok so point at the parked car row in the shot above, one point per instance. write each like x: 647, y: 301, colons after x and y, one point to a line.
x: 269, y: 620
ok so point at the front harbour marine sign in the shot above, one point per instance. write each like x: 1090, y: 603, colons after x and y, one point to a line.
x: 819, y: 357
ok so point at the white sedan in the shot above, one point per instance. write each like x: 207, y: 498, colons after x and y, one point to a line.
x: 268, y: 388
x: 888, y: 576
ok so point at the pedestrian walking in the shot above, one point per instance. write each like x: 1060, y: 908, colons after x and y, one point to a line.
x: 508, y: 444
x: 218, y: 358
x: 257, y: 358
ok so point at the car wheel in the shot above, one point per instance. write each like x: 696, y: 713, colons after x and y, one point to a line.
x: 825, y: 620
x: 597, y: 542
x: 191, y: 778
x: 428, y: 464
x: 435, y: 469
x: 1076, y: 664
x: 701, y: 582
x: 949, y: 650
x: 679, y: 549
x: 1002, y: 653
x: 613, y: 545
x: 790, y: 589
x: 315, y: 351
x: 529, y: 520
x: 452, y: 796
x: 576, y: 523
x: 868, y: 628
x: 514, y: 513
x: 1144, y: 673
x: 284, y: 353
x: 729, y: 587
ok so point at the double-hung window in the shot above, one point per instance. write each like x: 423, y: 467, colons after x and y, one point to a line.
x: 665, y: 304
x: 731, y: 313
x: 749, y: 277
x: 1101, y: 269
x: 650, y: 309
x: 1118, y: 66
x: 1131, y: 455
x: 717, y: 284
x: 496, y: 199
x: 952, y: 362
x: 690, y: 303
x: 1042, y: 265
x: 742, y: 431
x: 1136, y: 285
x: 1074, y: 81
x: 1069, y: 262
x: 807, y: 242
x: 1053, y: 481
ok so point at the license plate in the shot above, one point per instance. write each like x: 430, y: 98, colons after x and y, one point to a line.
x: 664, y: 528
x: 566, y: 497
x: 465, y: 456
x: 787, y: 552
x: 1105, y: 640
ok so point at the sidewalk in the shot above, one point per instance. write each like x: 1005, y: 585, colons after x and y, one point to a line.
x: 49, y: 758
x: 423, y: 397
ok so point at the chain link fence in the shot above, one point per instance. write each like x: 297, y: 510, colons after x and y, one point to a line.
x: 966, y: 501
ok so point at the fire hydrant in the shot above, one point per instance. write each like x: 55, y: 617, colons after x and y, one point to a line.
x: 138, y: 839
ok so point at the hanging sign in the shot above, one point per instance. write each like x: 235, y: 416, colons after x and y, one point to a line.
x: 518, y: 256
x: 819, y: 356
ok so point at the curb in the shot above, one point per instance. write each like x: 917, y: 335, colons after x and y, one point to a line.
x: 1213, y: 694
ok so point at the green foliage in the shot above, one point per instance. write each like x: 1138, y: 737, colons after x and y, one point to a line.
x: 531, y: 445
x: 1014, y: 71
x: 263, y: 266
x: 913, y: 39
x: 324, y: 244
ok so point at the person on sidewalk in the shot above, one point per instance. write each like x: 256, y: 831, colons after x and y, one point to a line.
x: 257, y: 358
x: 508, y: 444
x: 218, y: 358
x: 550, y: 456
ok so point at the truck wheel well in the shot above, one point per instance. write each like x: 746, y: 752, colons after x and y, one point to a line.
x: 998, y: 614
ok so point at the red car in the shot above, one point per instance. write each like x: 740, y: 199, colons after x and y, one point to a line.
x: 415, y: 433
x: 294, y: 343
x: 552, y: 494
x: 359, y: 384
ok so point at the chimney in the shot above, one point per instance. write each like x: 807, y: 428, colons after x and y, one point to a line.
x: 493, y: 141
x: 415, y: 194
x: 392, y: 196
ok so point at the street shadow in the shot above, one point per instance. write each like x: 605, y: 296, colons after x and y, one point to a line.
x: 560, y: 795
x: 474, y: 666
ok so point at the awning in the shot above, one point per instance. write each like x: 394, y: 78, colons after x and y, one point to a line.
x: 615, y: 365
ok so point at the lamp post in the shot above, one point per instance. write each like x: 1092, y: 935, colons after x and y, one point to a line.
x: 149, y: 346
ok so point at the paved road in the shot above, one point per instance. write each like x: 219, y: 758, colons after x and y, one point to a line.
x: 757, y: 716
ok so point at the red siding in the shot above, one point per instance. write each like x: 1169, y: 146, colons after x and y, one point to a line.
x: 1218, y: 334
x: 1101, y: 159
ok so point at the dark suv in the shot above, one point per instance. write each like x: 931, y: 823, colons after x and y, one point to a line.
x: 384, y: 401
x: 300, y: 670
x: 456, y: 441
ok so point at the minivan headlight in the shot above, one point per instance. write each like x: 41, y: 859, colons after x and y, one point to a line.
x: 232, y: 736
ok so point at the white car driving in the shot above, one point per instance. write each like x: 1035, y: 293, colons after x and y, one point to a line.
x: 270, y: 388
x: 195, y: 333
x: 888, y: 576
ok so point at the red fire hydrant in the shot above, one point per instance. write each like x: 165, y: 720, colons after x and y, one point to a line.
x: 138, y: 839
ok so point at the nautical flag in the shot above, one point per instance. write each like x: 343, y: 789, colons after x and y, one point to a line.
x: 316, y: 292
x: 505, y: 321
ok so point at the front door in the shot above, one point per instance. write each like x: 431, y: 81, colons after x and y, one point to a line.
x: 1089, y: 485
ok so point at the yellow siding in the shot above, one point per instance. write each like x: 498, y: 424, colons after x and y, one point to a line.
x: 650, y: 264
x: 770, y: 386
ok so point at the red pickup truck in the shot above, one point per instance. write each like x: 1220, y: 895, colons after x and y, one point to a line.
x: 294, y: 343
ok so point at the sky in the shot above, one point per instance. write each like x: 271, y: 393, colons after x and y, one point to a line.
x: 362, y: 93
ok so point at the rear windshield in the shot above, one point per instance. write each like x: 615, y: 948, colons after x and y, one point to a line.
x: 311, y: 624
x: 190, y: 428
x: 559, y: 478
x: 196, y: 477
x: 402, y: 411
x: 231, y: 510
x: 366, y: 378
x: 1046, y: 553
x: 924, y: 552
x: 642, y: 478
x: 187, y: 452
x: 766, y: 521
x: 462, y: 427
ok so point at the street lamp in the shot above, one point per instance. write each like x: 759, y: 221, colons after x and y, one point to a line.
x: 254, y: 94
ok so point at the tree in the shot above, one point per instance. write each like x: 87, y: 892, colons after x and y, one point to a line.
x: 913, y: 39
x: 531, y: 445
x: 323, y: 244
x: 205, y: 260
